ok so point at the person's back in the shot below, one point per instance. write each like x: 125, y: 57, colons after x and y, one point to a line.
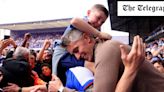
x: 16, y: 71
x: 109, y: 69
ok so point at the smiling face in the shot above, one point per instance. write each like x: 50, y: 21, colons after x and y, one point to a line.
x: 47, y: 55
x: 82, y: 48
x: 46, y: 71
x: 96, y: 18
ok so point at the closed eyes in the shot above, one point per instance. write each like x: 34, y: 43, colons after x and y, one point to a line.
x: 76, y: 50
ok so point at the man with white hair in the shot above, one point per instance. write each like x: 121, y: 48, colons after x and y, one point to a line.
x: 109, y: 66
x: 17, y: 69
x: 21, y: 53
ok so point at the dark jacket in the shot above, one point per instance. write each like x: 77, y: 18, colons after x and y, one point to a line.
x: 16, y: 71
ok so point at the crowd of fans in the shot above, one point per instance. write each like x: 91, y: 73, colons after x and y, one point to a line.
x: 41, y: 61
x: 84, y: 60
x: 37, y: 38
x: 155, y: 53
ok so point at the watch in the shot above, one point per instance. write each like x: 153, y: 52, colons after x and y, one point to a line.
x: 61, y: 89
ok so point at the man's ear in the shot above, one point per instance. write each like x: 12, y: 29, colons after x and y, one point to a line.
x: 88, y: 12
x: 69, y: 49
x: 86, y: 37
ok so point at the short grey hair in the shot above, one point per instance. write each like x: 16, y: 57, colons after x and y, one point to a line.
x: 21, y: 52
x: 71, y: 36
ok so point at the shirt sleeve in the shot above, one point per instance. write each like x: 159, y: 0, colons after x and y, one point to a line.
x: 107, y: 64
x: 69, y: 61
x: 69, y: 28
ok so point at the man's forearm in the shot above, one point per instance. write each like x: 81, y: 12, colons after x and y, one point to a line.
x: 24, y: 43
x: 127, y: 78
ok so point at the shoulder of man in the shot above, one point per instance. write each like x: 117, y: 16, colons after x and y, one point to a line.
x: 114, y: 43
x: 16, y: 66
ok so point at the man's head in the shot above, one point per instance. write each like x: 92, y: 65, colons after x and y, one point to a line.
x: 14, y: 71
x: 149, y: 55
x: 97, y: 15
x: 80, y: 44
x: 21, y: 53
x: 155, y: 45
x: 46, y: 69
x: 32, y: 58
x: 47, y: 55
x: 156, y: 61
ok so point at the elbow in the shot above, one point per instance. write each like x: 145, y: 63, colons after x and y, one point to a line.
x: 74, y: 21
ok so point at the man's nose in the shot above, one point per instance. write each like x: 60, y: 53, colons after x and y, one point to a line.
x: 99, y: 22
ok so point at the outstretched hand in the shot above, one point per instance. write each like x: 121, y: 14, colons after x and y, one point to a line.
x: 135, y: 58
x: 27, y: 36
x: 47, y: 43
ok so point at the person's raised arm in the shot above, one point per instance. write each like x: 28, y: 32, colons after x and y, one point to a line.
x: 5, y: 43
x: 27, y: 36
x: 132, y: 63
x: 46, y: 45
x: 82, y: 25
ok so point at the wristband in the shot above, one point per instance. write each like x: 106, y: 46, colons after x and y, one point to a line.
x: 61, y: 89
